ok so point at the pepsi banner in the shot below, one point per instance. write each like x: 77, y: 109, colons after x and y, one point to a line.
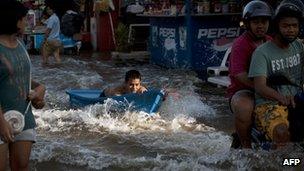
x: 168, y: 37
x: 210, y: 39
x: 203, y: 46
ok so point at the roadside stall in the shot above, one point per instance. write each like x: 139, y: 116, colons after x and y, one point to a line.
x: 192, y: 35
x: 35, y: 29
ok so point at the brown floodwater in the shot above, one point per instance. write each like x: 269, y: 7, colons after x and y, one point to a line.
x: 192, y: 131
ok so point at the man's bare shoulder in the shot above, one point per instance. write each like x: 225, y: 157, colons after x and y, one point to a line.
x: 115, y: 91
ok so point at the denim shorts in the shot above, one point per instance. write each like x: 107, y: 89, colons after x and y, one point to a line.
x: 26, y: 135
x: 50, y: 46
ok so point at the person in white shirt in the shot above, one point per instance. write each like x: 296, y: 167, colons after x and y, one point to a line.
x: 52, y: 43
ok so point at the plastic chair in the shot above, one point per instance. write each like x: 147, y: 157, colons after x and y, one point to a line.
x: 220, y: 81
x: 223, y: 68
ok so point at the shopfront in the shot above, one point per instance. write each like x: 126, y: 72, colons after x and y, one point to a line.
x: 196, y: 39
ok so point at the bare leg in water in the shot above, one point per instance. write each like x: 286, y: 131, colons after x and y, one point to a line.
x: 57, y: 56
x: 280, y: 136
x: 242, y: 105
x: 45, y: 55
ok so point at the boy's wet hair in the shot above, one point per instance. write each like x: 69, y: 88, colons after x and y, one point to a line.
x: 11, y: 12
x: 132, y: 74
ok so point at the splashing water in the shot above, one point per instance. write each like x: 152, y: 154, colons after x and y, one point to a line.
x: 102, y: 136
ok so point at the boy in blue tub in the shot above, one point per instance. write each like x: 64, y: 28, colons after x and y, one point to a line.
x: 132, y: 84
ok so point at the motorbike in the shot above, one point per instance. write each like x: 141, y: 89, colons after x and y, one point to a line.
x: 295, y: 117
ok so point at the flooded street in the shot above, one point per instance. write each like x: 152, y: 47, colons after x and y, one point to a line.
x: 192, y: 131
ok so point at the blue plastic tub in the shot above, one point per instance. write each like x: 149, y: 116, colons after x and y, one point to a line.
x: 148, y: 102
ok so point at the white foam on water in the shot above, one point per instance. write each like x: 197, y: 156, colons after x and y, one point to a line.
x: 72, y: 154
x: 187, y: 103
x: 106, y: 116
x: 167, y: 158
x: 173, y: 151
x: 174, y: 128
x: 104, y: 137
x: 177, y: 132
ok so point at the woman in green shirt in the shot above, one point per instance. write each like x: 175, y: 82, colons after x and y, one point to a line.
x: 15, y: 85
